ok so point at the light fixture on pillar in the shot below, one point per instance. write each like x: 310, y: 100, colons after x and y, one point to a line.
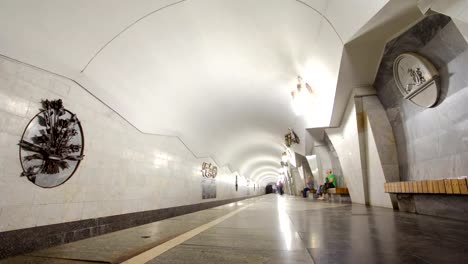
x: 291, y: 138
x: 283, y: 164
x: 284, y: 157
x: 301, y: 96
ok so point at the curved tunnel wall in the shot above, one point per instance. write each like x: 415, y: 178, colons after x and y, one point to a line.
x: 124, y: 170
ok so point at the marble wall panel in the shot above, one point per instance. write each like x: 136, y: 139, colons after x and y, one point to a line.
x: 124, y: 170
x: 431, y: 142
x: 322, y: 153
x: 346, y: 142
x: 375, y: 172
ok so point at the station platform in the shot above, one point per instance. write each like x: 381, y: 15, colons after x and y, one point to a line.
x: 274, y: 229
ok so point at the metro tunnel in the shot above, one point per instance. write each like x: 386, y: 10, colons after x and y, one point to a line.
x: 233, y: 131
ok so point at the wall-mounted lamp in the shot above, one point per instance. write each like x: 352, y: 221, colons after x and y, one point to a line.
x: 284, y: 157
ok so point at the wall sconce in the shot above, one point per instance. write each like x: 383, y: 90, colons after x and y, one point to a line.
x: 301, y: 96
x: 284, y: 157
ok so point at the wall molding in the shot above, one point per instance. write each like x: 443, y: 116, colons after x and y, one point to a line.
x: 115, y: 111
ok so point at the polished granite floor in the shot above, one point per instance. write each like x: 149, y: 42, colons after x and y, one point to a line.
x: 283, y: 230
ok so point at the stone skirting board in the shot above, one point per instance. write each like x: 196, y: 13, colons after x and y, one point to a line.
x: 447, y: 206
x: 29, y: 239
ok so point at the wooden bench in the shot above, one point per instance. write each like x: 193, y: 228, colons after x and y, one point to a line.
x: 334, y: 191
x: 338, y: 191
x: 336, y: 195
x: 445, y: 186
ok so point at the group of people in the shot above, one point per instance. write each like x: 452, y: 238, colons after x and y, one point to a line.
x: 330, y: 182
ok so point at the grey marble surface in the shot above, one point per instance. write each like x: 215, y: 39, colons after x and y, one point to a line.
x: 29, y: 239
x: 196, y: 254
x: 436, y: 134
x: 283, y: 230
x: 330, y: 233
x: 117, y: 246
x: 432, y: 143
x: 43, y: 260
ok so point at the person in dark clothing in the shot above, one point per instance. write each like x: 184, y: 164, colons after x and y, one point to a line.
x: 280, y: 187
x: 309, y: 186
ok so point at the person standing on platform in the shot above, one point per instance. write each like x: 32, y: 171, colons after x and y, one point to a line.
x: 280, y: 187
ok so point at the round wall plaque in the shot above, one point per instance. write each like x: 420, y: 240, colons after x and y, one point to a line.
x: 416, y: 79
x: 52, y: 145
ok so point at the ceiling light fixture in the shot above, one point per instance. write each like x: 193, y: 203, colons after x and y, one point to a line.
x: 291, y: 138
x: 284, y: 157
x: 301, y: 96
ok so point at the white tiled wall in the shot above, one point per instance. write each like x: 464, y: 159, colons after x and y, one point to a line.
x: 123, y: 171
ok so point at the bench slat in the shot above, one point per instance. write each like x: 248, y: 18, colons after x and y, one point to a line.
x: 444, y: 186
x: 436, y: 187
x: 463, y: 186
x: 441, y: 186
x: 430, y: 187
x: 448, y: 187
x: 455, y: 187
x: 424, y: 187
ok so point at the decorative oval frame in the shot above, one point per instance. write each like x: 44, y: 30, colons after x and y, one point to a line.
x: 77, y: 162
x: 425, y: 94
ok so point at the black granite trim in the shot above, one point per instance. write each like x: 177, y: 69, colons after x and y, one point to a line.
x: 22, y: 241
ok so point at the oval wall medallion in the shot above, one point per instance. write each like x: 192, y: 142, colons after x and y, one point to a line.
x: 416, y: 79
x: 52, y: 145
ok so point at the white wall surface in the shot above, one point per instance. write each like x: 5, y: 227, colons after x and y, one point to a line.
x: 375, y: 174
x: 123, y: 171
x: 346, y: 142
x: 323, y: 163
x: 366, y: 150
x: 226, y: 65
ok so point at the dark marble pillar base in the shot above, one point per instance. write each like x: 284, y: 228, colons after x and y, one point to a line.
x: 406, y: 203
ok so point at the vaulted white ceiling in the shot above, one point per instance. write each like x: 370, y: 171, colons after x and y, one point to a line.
x: 216, y: 73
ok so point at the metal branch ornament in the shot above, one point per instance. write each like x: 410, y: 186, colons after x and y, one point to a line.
x: 209, y: 171
x: 291, y: 138
x: 52, y: 145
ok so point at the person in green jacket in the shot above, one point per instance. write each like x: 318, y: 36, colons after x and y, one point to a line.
x: 330, y: 182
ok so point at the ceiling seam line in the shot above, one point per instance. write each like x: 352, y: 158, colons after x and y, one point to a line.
x: 179, y: 2
x: 324, y: 17
x: 127, y: 28
x: 109, y: 107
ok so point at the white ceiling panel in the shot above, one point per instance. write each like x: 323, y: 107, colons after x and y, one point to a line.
x: 216, y: 73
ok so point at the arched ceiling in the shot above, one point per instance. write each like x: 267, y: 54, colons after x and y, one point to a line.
x: 215, y: 73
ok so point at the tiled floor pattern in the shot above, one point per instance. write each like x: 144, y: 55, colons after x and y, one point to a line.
x: 281, y: 230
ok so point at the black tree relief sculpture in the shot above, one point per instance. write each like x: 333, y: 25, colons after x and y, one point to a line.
x: 52, y: 140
